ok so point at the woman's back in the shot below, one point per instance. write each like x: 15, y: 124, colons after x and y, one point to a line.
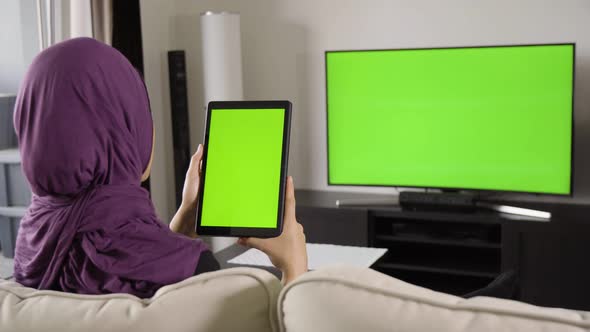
x: 85, y: 135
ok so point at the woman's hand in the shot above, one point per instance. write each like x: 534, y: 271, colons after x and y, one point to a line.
x: 287, y: 251
x: 185, y: 218
x: 192, y: 181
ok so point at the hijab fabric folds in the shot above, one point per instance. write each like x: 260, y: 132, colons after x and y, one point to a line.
x: 85, y: 136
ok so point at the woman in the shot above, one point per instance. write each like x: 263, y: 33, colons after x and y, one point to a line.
x: 86, y: 139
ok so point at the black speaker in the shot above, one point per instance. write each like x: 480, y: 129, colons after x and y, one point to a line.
x: 180, y: 125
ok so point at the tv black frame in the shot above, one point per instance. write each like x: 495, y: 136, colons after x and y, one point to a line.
x: 572, y: 138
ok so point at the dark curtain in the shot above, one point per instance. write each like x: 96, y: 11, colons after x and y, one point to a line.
x: 127, y: 31
x: 127, y: 37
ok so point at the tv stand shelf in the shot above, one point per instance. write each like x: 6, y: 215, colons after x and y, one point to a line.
x: 437, y: 270
x: 459, y: 252
x: 447, y: 245
x: 426, y: 240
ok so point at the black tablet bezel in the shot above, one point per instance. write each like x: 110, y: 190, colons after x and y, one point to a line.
x: 247, y: 231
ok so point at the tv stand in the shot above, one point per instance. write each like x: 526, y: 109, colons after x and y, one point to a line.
x: 458, y: 252
x: 461, y: 202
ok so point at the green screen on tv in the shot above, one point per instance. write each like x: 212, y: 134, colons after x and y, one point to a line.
x: 483, y: 118
x: 243, y: 171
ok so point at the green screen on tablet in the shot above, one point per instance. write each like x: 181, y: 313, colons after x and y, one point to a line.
x: 242, y: 179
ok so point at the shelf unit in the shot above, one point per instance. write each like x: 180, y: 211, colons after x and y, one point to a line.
x: 454, y: 253
x: 548, y: 256
x: 15, y: 196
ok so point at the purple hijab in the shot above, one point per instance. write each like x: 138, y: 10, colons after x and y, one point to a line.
x: 85, y: 136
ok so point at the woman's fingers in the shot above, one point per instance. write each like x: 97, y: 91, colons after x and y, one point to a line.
x: 290, y: 201
x: 196, y: 158
x: 195, y: 163
x: 199, y: 159
x: 252, y: 242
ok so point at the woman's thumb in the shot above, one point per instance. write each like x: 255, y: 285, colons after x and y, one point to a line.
x: 252, y: 242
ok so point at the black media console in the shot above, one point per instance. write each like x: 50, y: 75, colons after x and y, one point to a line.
x: 459, y: 252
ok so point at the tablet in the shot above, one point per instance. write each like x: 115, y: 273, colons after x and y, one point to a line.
x: 244, y: 168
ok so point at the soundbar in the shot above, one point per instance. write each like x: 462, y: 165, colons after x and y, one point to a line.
x: 437, y: 201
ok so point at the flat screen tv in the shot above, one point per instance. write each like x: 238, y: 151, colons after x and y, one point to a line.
x: 482, y: 118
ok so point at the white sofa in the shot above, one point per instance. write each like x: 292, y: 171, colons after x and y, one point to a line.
x: 243, y: 299
x: 352, y: 299
x: 238, y: 299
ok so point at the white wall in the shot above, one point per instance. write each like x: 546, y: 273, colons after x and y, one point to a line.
x: 18, y: 40
x: 19, y: 37
x: 283, y: 57
x: 157, y: 40
x: 11, y: 61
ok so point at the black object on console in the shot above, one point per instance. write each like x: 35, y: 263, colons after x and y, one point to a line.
x: 437, y: 201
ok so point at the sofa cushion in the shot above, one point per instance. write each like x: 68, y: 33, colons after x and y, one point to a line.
x: 354, y: 299
x: 239, y: 299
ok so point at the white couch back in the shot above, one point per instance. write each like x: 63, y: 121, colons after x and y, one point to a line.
x: 239, y: 299
x: 242, y: 299
x: 352, y: 299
